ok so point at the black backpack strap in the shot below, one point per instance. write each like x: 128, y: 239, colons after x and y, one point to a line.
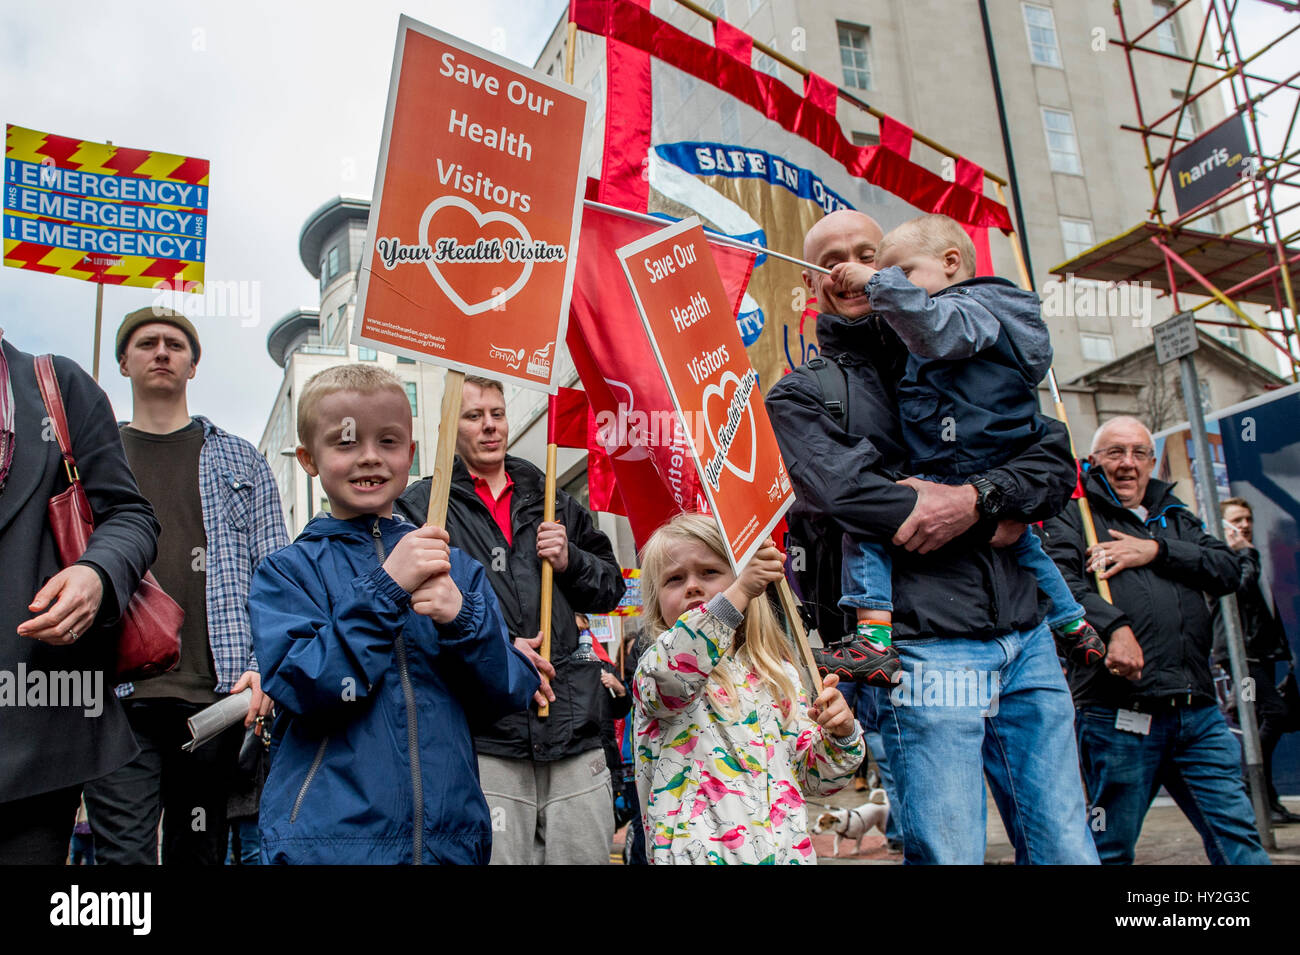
x: 834, y: 387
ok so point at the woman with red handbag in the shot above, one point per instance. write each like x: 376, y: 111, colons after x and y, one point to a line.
x: 60, y: 722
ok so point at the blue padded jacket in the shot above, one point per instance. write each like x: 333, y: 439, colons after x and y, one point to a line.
x: 372, y: 759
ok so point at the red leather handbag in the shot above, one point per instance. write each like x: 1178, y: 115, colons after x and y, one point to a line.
x: 150, y: 640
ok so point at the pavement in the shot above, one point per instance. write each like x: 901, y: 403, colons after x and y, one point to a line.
x: 1167, y: 838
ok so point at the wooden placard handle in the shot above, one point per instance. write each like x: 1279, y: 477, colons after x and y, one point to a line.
x: 444, y: 455
x: 790, y: 606
x: 548, y: 572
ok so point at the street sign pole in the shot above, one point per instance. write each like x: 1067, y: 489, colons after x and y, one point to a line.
x: 1207, y: 494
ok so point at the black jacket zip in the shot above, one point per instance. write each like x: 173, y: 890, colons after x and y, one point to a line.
x: 412, y: 728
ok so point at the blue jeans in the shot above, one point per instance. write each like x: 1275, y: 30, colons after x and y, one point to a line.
x: 1031, y: 556
x: 866, y: 578
x: 969, y: 710
x: 1193, y: 754
x: 246, y: 838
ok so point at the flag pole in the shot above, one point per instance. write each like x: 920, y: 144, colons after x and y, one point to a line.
x: 790, y: 606
x: 548, y: 515
x: 843, y: 94
x: 1085, y: 511
x: 99, y: 308
x: 548, y: 503
x: 99, y: 327
x: 717, y: 238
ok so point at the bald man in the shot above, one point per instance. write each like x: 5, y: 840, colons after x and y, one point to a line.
x: 1148, y: 718
x: 964, y: 612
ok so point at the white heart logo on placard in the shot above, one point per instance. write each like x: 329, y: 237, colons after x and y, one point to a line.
x: 481, y: 219
x: 720, y: 390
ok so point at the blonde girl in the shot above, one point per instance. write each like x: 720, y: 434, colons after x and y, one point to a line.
x: 728, y: 747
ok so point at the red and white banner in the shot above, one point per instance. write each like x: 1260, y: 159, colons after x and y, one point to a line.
x: 714, y: 388
x: 693, y: 128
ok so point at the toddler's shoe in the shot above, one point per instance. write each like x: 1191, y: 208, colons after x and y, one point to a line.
x: 858, y: 659
x: 1083, y: 645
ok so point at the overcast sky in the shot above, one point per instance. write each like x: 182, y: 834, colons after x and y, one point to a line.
x: 286, y: 99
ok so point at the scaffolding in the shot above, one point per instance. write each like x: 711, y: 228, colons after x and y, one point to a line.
x: 1186, y: 251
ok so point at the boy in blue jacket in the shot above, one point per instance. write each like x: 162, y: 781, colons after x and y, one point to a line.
x: 968, y: 403
x: 380, y: 643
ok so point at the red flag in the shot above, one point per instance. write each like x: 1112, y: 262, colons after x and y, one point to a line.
x: 566, y: 418
x: 635, y: 420
x: 572, y: 424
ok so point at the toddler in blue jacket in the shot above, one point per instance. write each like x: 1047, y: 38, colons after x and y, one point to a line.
x: 379, y: 643
x: 977, y: 349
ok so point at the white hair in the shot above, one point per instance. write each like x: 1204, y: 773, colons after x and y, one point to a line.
x: 1120, y: 419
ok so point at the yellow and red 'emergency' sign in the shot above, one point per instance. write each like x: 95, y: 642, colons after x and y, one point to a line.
x: 103, y: 213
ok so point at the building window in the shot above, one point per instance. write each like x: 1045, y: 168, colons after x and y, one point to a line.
x: 332, y: 262
x: 764, y: 63
x: 1077, y: 236
x: 403, y: 360
x: 1098, y: 347
x: 865, y: 139
x: 331, y: 323
x: 717, y: 8
x: 1190, y: 125
x: 366, y: 354
x: 1167, y: 32
x: 1228, y: 334
x: 1062, y: 145
x: 854, y: 57
x: 1041, y: 27
x: 753, y: 9
x: 415, y: 462
x: 411, y: 388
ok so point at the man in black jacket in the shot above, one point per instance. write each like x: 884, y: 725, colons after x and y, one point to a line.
x: 1266, y: 644
x: 1148, y: 717
x: 545, y: 780
x: 982, y: 694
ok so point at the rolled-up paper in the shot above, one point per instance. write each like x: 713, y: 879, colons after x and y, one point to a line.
x: 208, y: 723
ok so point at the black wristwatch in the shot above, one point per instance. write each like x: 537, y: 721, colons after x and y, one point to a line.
x: 988, y: 500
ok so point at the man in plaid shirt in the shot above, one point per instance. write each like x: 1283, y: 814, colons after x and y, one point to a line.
x: 220, y: 511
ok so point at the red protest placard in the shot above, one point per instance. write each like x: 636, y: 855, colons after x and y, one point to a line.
x: 688, y: 317
x: 474, y: 223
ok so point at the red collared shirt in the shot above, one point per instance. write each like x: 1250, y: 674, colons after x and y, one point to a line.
x: 498, y: 507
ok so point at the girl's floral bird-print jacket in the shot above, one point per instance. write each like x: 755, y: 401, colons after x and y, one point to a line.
x: 716, y: 789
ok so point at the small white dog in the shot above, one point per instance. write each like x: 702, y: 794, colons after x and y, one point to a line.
x: 855, y: 824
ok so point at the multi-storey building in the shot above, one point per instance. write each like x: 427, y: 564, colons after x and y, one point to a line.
x: 1080, y: 180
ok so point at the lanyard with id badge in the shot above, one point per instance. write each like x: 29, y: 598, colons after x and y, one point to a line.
x: 1131, y: 721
